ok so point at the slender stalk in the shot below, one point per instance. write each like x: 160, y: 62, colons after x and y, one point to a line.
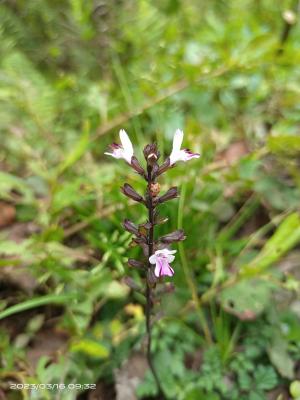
x: 189, y: 277
x: 149, y: 289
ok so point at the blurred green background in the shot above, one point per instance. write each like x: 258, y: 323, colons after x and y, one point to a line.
x: 72, y: 73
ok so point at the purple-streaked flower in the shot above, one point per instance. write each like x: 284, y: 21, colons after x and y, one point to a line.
x: 162, y: 259
x: 123, y: 150
x: 180, y: 155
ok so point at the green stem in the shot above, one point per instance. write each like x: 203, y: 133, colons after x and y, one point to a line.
x: 188, y: 274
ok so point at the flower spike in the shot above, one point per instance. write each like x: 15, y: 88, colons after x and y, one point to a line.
x: 180, y: 155
x: 157, y: 257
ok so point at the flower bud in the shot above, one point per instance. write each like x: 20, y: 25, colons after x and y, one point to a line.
x: 132, y: 284
x: 131, y: 193
x: 164, y: 167
x: 176, y: 236
x: 151, y: 278
x: 135, y: 263
x: 140, y: 240
x: 130, y: 227
x: 137, y: 166
x: 150, y: 152
x: 172, y: 193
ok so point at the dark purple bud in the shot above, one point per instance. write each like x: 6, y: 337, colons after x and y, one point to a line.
x: 131, y: 193
x: 151, y: 278
x: 164, y: 167
x: 137, y: 166
x: 172, y: 193
x: 145, y: 249
x: 140, y: 240
x: 132, y: 284
x: 130, y: 227
x: 135, y: 263
x: 151, y: 151
x: 176, y: 236
x: 146, y: 225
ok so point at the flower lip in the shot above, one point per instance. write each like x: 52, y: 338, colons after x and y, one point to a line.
x: 162, y: 259
x: 123, y: 150
x: 180, y: 155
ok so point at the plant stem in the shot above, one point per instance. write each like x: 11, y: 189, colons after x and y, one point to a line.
x: 188, y: 274
x: 149, y: 289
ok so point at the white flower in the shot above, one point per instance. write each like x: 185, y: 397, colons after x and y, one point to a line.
x: 124, y: 150
x: 178, y: 154
x: 162, y: 258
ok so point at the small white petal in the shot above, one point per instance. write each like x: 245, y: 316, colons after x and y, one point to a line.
x: 127, y: 145
x: 165, y: 252
x: 170, y: 258
x: 152, y: 259
x: 177, y: 140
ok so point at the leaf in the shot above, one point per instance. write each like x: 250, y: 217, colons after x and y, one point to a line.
x: 247, y: 299
x: 37, y: 302
x: 91, y: 348
x: 77, y: 152
x: 9, y: 182
x: 286, y: 236
x: 197, y: 394
x: 265, y: 377
x: 280, y: 358
x: 284, y: 144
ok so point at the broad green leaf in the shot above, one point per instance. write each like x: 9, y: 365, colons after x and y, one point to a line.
x: 247, y: 299
x: 265, y: 377
x: 280, y: 358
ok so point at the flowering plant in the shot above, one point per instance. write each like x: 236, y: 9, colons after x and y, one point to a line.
x: 157, y: 254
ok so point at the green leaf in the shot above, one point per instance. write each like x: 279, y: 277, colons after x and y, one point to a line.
x: 197, y: 394
x: 265, y: 377
x: 247, y: 299
x: 91, y: 348
x: 287, y: 235
x: 280, y: 358
x: 284, y: 144
x: 77, y: 152
x: 37, y: 302
x: 9, y: 182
